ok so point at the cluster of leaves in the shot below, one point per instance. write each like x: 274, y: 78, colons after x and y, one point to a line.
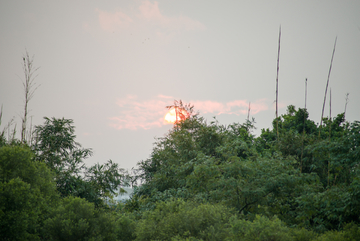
x: 203, y: 181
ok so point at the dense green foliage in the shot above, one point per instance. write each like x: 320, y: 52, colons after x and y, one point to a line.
x: 202, y: 181
x: 27, y: 192
x: 39, y: 185
x: 308, y: 176
x: 180, y: 219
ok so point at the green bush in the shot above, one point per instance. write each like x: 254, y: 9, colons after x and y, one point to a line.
x: 351, y: 232
x: 180, y: 220
x: 74, y: 219
x: 78, y: 219
x: 126, y: 226
x: 261, y: 229
x: 303, y: 234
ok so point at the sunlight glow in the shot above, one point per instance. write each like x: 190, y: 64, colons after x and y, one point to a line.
x: 176, y: 114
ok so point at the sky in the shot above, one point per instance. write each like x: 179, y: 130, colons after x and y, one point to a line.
x: 113, y: 66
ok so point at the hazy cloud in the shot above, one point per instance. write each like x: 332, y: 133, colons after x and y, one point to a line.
x: 112, y: 21
x: 151, y: 12
x: 145, y: 114
x: 137, y: 114
x: 235, y: 107
x: 146, y: 13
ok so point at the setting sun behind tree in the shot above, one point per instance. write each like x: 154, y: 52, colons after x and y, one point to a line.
x: 176, y: 114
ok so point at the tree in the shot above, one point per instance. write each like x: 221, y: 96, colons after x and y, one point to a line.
x: 105, y: 179
x: 27, y: 193
x: 212, y: 163
x: 55, y: 145
x: 29, y: 89
x: 218, y: 164
x: 19, y: 213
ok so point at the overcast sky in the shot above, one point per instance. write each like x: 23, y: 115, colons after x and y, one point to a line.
x: 113, y: 66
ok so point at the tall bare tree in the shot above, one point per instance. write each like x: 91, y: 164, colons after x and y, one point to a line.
x: 346, y: 102
x: 277, y: 85
x: 327, y: 84
x: 29, y: 89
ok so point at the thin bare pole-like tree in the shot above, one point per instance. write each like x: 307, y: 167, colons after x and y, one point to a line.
x: 248, y: 116
x: 29, y: 89
x: 327, y: 84
x: 330, y: 116
x: 329, y: 139
x: 303, y: 135
x: 277, y: 85
x: 346, y: 102
x: 305, y: 92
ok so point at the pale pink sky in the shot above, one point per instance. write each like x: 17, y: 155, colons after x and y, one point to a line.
x: 148, y: 13
x: 145, y: 114
x: 113, y: 66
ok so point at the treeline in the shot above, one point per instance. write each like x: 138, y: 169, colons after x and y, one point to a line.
x: 202, y: 181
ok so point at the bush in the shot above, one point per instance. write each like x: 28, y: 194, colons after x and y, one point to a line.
x: 351, y: 232
x: 78, y: 219
x: 73, y: 220
x: 261, y: 229
x: 126, y: 226
x: 180, y: 220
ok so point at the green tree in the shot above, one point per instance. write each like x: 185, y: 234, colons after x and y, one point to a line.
x: 218, y: 164
x: 105, y: 179
x: 306, y: 180
x: 19, y: 211
x: 27, y: 193
x: 55, y: 145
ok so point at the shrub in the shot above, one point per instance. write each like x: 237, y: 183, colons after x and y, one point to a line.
x: 180, y: 220
x: 261, y: 229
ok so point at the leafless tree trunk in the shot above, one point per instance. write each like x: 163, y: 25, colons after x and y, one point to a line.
x: 346, y: 102
x: 29, y: 89
x: 329, y: 141
x: 277, y: 84
x: 303, y: 135
x: 327, y: 84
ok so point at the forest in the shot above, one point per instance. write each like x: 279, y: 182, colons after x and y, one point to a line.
x: 203, y: 181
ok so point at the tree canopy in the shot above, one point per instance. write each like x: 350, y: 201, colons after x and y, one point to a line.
x: 202, y: 181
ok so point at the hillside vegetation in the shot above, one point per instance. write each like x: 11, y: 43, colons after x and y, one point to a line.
x: 202, y: 181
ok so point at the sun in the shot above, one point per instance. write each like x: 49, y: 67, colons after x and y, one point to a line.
x: 175, y: 115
